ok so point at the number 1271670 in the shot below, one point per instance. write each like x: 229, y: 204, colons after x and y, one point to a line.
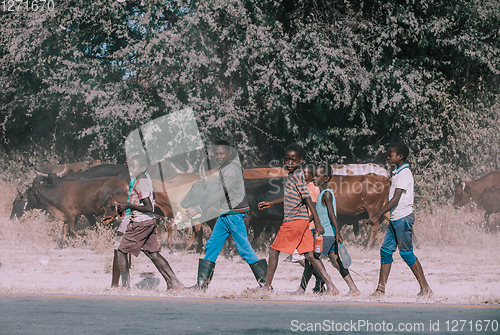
x: 27, y: 5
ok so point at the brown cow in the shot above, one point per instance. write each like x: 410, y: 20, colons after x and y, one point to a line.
x: 356, y: 196
x: 67, y: 199
x: 490, y: 201
x: 361, y: 195
x: 467, y: 191
x: 168, y: 195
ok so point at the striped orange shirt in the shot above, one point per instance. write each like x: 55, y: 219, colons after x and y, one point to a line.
x: 295, y: 194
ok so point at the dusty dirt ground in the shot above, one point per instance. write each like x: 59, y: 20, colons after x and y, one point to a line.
x: 460, y: 261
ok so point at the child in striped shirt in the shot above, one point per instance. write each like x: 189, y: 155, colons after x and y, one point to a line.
x: 294, y: 233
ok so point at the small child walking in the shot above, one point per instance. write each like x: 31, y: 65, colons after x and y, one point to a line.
x: 327, y: 212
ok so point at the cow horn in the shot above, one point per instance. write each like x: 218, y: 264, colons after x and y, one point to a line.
x: 190, y: 167
x: 463, y: 185
x: 64, y: 172
x: 40, y: 173
x: 176, y: 169
x: 201, y: 171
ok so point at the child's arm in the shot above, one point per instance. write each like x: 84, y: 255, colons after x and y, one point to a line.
x: 267, y: 204
x: 311, y: 216
x: 390, y: 205
x: 146, y: 207
x: 327, y: 201
x: 319, y: 228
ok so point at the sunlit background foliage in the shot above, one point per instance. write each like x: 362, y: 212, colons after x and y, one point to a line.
x: 344, y: 78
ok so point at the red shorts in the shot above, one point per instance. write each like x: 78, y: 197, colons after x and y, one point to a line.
x: 294, y: 235
x: 139, y: 235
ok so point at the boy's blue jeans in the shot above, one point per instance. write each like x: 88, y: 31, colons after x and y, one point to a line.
x: 399, y: 234
x: 230, y: 224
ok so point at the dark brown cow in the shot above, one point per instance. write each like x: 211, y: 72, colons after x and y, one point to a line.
x: 68, y: 199
x: 490, y: 201
x: 467, y: 191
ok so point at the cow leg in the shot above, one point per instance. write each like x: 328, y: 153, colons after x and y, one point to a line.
x: 198, y: 232
x: 374, y: 229
x: 169, y: 235
x: 229, y: 248
x: 415, y: 240
x: 191, y: 239
x: 72, y: 221
x: 355, y: 227
x: 63, y: 236
x: 487, y: 219
x: 91, y: 219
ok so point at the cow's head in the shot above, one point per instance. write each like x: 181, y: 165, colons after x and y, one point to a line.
x: 48, y: 178
x: 19, y: 205
x: 110, y: 207
x: 462, y: 194
x: 24, y: 202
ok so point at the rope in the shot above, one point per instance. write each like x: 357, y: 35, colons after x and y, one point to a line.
x: 351, y: 270
x: 263, y: 132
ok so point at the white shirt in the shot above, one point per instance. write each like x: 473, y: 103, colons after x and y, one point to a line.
x: 402, y: 179
x: 143, y: 188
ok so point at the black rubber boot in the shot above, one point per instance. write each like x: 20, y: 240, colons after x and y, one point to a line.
x: 259, y: 270
x: 205, y: 274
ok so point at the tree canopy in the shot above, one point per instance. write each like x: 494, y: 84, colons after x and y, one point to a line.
x: 342, y: 78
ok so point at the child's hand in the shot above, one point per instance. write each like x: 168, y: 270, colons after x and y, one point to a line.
x: 191, y: 211
x: 320, y: 230
x: 264, y: 205
x: 372, y: 220
x: 339, y: 238
x: 122, y: 207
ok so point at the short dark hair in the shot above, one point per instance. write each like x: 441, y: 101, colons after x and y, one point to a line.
x: 297, y: 148
x: 400, y: 148
x: 222, y: 142
x: 329, y: 170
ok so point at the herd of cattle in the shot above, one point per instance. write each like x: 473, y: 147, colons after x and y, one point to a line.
x: 68, y: 191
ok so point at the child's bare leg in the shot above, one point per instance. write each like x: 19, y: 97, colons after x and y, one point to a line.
x: 123, y: 266
x: 425, y: 290
x: 385, y: 269
x: 306, y: 275
x: 318, y: 265
x: 272, y: 264
x: 337, y: 264
x: 165, y: 270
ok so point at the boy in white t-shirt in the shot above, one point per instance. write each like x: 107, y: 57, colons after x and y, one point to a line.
x: 399, y: 231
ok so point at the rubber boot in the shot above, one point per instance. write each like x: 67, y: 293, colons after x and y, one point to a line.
x: 259, y: 270
x: 205, y: 274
